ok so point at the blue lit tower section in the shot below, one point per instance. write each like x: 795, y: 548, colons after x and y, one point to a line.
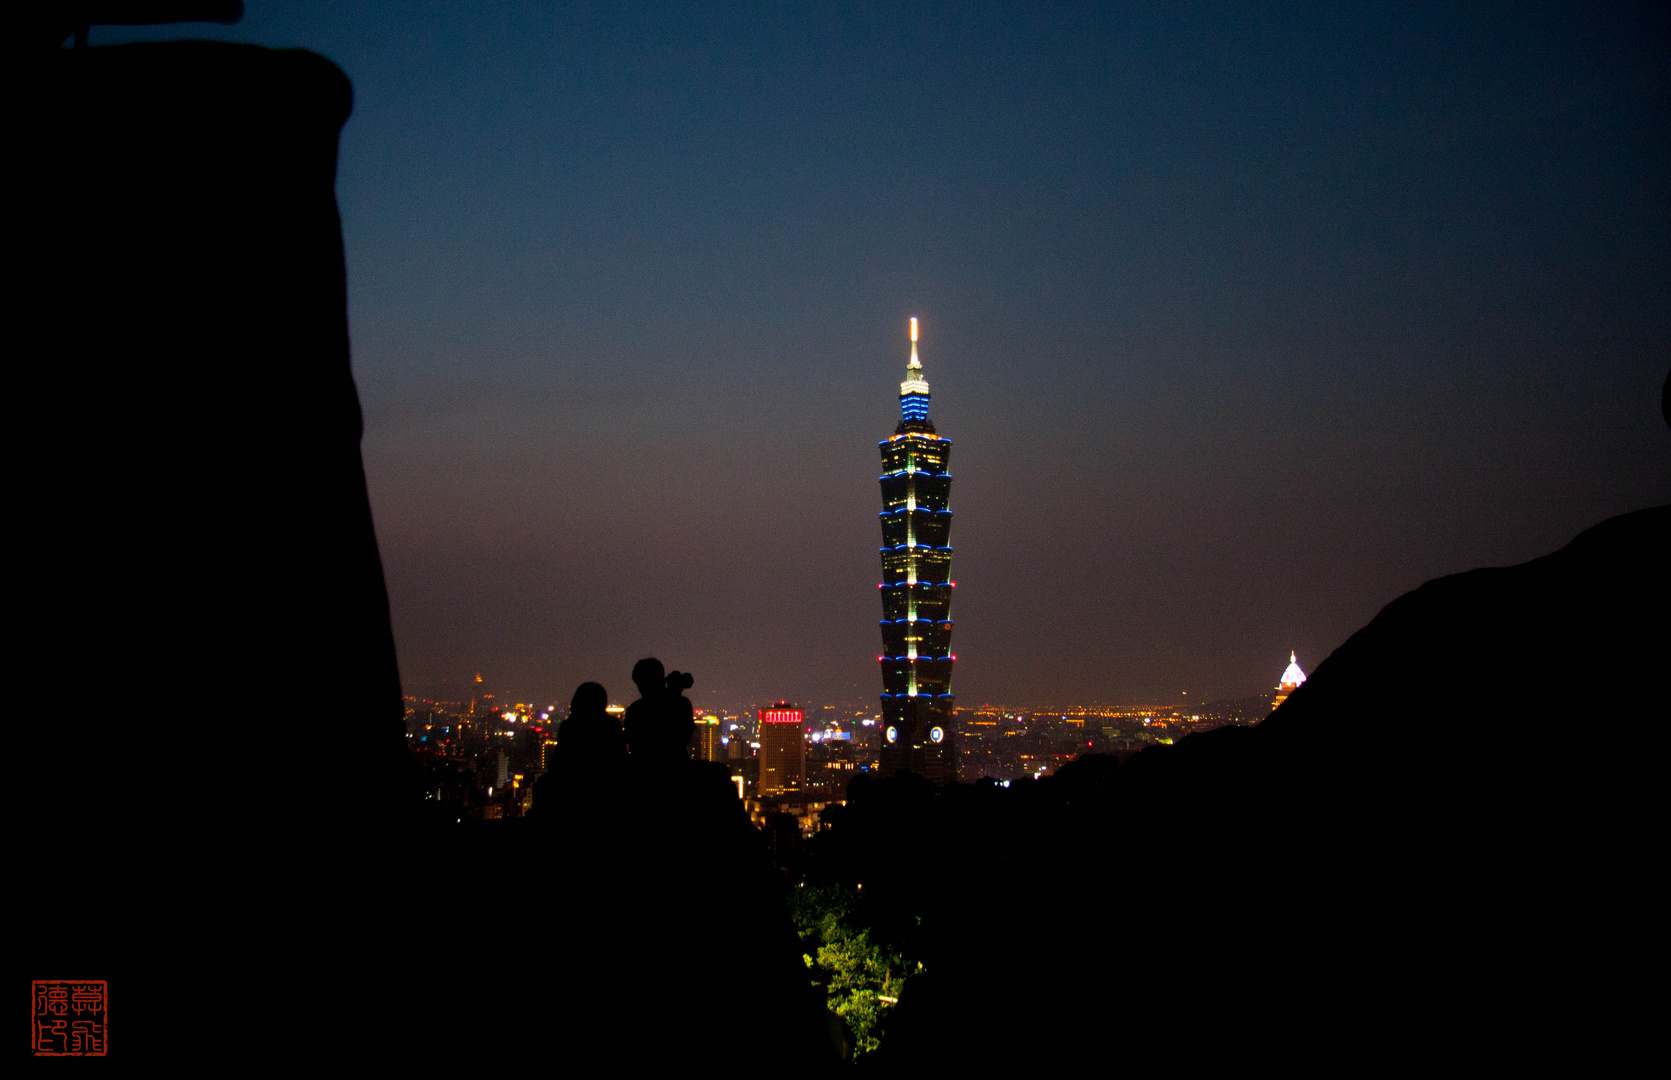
x: 916, y: 590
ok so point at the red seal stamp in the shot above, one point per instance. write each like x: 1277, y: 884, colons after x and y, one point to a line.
x: 68, y: 1017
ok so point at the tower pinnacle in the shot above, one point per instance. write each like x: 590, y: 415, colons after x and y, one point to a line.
x: 914, y: 382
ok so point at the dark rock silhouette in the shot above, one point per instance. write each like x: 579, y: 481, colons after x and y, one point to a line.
x: 1403, y: 860
x: 205, y: 546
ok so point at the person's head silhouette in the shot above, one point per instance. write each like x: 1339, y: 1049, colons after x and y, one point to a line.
x: 589, y: 731
x: 589, y: 698
x: 650, y: 677
x: 660, y: 724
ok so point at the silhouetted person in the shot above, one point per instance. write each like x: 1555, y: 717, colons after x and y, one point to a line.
x: 692, y: 850
x: 587, y: 764
x: 651, y: 679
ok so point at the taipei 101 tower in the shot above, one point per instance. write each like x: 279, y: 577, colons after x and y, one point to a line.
x: 916, y: 590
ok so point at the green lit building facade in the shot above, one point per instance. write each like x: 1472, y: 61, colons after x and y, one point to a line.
x: 916, y: 587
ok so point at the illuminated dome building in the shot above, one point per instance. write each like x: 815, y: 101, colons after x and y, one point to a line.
x: 1291, y: 680
x: 916, y: 590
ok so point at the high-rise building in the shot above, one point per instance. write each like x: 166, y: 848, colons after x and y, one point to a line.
x: 782, y: 749
x: 704, y: 742
x: 1291, y: 680
x: 916, y: 589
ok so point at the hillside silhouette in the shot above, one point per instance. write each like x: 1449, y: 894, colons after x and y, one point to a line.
x: 1422, y: 851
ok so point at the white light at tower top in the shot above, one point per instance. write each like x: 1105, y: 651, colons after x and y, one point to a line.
x: 914, y: 382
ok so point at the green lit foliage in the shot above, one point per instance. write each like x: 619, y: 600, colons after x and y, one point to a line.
x: 855, y: 971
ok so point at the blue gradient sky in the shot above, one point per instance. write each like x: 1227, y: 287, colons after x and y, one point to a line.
x: 1242, y: 322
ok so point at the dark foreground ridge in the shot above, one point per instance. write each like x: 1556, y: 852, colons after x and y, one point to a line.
x: 1302, y: 892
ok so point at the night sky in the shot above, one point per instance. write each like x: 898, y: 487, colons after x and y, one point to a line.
x: 1241, y: 323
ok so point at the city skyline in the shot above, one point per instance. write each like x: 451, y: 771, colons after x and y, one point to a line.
x: 850, y: 711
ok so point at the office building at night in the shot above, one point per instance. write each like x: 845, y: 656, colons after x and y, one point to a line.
x: 782, y: 749
x: 916, y: 589
x: 704, y: 741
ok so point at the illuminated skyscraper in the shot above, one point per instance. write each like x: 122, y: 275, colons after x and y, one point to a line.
x: 782, y: 749
x: 916, y: 589
x: 704, y: 741
x: 1291, y: 680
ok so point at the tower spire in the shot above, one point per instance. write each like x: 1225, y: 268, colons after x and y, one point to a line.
x: 914, y: 383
